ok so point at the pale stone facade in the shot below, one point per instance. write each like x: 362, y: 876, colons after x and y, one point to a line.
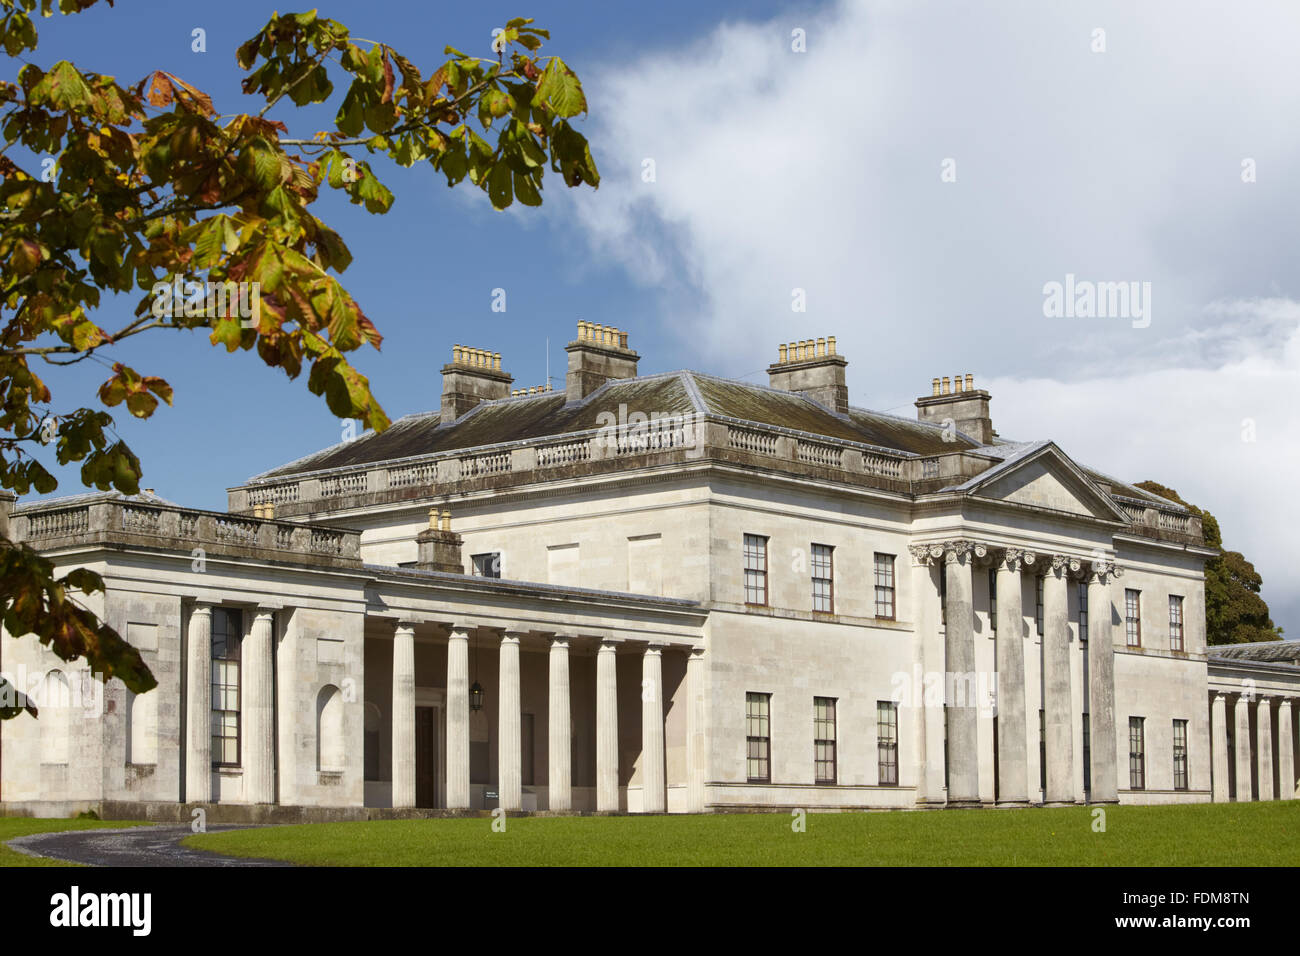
x: 670, y: 592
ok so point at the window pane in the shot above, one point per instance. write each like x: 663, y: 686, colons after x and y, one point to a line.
x: 884, y: 571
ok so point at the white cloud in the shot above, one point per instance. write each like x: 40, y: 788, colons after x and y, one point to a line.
x: 1226, y: 437
x: 777, y: 170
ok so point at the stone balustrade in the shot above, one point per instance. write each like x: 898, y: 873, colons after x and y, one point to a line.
x: 168, y: 526
x: 711, y: 437
x: 1148, y: 516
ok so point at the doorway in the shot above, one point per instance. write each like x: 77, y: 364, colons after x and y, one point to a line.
x: 426, y: 757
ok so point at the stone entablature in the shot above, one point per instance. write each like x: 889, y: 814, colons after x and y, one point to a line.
x: 52, y: 525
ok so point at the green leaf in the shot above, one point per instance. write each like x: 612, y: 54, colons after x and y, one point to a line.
x: 560, y: 90
x: 526, y: 190
x: 498, y: 185
x: 62, y: 88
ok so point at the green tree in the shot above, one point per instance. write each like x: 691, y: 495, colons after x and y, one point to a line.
x: 1235, y: 613
x: 154, y: 189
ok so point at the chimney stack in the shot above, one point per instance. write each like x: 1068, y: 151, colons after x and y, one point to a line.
x: 812, y: 368
x: 440, y: 547
x: 963, y: 404
x: 598, y: 354
x: 472, y: 376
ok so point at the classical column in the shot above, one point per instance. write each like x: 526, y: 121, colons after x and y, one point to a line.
x: 695, y: 738
x: 1219, y: 743
x: 1241, y: 741
x: 559, y: 780
x: 458, y: 719
x: 259, y: 708
x: 509, y: 754
x: 404, y: 715
x: 1101, y: 683
x: 924, y: 710
x: 654, y: 799
x: 1056, y: 683
x: 1013, y: 767
x: 198, y: 706
x: 1285, y: 751
x: 961, y: 684
x: 1264, y: 747
x: 606, y: 727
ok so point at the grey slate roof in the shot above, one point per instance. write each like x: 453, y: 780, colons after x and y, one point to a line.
x: 1273, y: 652
x: 669, y: 394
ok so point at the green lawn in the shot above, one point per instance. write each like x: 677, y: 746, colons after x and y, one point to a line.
x: 1252, y: 834
x: 11, y: 827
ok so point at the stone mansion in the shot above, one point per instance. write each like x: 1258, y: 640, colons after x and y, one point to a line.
x: 645, y: 593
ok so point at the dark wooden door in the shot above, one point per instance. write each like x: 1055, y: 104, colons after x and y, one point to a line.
x: 426, y: 757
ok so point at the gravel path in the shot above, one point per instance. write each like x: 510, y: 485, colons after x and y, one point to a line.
x: 131, y: 846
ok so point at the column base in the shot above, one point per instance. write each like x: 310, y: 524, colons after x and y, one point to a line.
x: 1013, y: 803
x: 1060, y: 803
x: 1104, y: 801
x: 963, y: 804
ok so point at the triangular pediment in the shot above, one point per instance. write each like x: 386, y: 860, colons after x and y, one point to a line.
x: 1046, y: 478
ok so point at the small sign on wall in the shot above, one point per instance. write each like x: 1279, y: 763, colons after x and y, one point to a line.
x: 329, y: 651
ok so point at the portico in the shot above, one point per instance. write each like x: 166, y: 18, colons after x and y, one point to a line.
x: 575, y: 707
x: 1009, y: 568
x: 1254, y: 701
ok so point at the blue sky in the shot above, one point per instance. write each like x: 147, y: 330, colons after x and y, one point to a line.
x: 1100, y: 139
x: 424, y: 272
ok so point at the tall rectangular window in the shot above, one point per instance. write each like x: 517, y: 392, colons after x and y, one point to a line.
x: 527, y: 747
x: 755, y: 569
x: 1132, y: 617
x: 1137, y: 754
x: 993, y: 599
x: 824, y: 739
x: 1042, y: 749
x: 1083, y: 612
x: 943, y: 596
x: 887, y: 742
x: 1180, y: 755
x: 1175, y: 623
x: 1038, y: 606
x: 1087, y: 755
x: 758, y: 737
x: 227, y: 638
x: 885, y: 586
x: 486, y: 565
x: 823, y: 578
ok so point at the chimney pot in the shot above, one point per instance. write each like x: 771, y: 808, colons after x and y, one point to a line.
x: 961, y: 404
x: 821, y: 380
x: 592, y: 362
x: 446, y: 521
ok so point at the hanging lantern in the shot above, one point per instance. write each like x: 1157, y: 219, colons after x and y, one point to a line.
x: 476, y: 689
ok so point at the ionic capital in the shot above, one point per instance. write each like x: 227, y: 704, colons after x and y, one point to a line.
x: 959, y: 551
x: 1102, y: 572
